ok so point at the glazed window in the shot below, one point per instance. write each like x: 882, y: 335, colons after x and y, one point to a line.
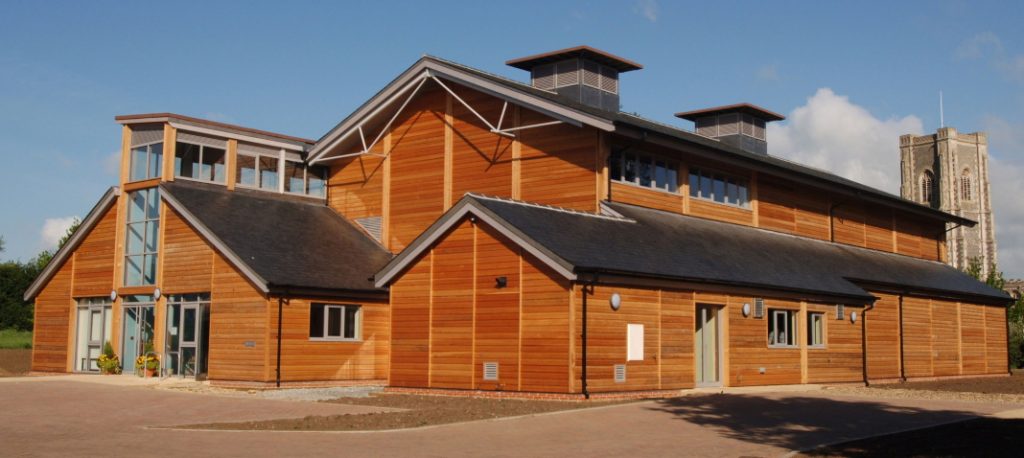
x: 146, y: 160
x: 719, y: 187
x: 334, y: 322
x: 816, y: 329
x: 302, y: 179
x: 199, y: 162
x: 644, y: 170
x: 782, y: 328
x: 143, y: 225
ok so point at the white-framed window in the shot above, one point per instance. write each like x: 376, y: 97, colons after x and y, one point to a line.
x: 335, y: 322
x: 146, y: 161
x: 719, y: 187
x: 257, y: 171
x: 199, y: 162
x: 305, y: 180
x: 143, y: 226
x: 782, y: 328
x: 644, y: 170
x: 815, y: 329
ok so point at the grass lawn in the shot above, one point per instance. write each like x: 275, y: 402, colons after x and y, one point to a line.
x: 12, y: 338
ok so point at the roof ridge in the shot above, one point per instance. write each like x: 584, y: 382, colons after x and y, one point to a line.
x: 571, y: 211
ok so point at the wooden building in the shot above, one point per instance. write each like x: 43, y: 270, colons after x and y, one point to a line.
x: 464, y: 231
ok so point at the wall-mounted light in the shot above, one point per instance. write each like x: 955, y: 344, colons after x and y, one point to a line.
x: 501, y: 282
x: 615, y: 301
x: 853, y: 317
x: 113, y: 295
x: 156, y: 293
x: 746, y: 309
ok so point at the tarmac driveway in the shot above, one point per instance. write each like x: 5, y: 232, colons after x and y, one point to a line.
x: 74, y: 418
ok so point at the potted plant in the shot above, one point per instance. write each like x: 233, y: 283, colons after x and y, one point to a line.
x: 108, y: 362
x: 147, y: 364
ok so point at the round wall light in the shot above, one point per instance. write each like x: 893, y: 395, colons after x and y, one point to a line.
x: 746, y: 309
x: 156, y: 293
x: 853, y: 317
x: 113, y: 294
x: 615, y: 301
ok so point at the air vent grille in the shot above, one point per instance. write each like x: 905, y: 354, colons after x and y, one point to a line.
x: 490, y: 371
x: 544, y: 76
x: 620, y: 373
x: 372, y: 225
x: 840, y: 312
x: 759, y: 308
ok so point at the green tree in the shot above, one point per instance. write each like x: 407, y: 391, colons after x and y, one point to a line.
x: 16, y: 277
x: 974, y: 267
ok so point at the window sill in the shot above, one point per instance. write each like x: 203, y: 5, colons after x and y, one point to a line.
x: 784, y: 347
x: 725, y: 204
x: 334, y: 339
x: 640, y: 186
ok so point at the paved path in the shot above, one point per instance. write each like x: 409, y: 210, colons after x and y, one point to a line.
x: 73, y: 418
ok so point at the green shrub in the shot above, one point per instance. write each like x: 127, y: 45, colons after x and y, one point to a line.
x: 14, y: 338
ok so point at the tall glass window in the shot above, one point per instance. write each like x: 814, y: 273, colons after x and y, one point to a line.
x: 145, y: 162
x: 718, y: 187
x: 141, y: 244
x: 644, y: 170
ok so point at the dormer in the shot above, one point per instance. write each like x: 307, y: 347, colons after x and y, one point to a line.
x: 584, y: 74
x: 741, y: 125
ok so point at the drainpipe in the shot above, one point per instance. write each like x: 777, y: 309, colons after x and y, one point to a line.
x: 903, y: 370
x: 583, y: 380
x: 864, y: 341
x: 280, y: 309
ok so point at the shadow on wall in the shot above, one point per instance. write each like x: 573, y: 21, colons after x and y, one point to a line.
x: 798, y: 423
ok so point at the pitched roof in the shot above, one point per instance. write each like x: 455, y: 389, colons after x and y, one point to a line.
x: 619, y: 63
x: 748, y: 108
x: 581, y: 113
x: 657, y: 244
x: 58, y: 259
x: 282, y: 243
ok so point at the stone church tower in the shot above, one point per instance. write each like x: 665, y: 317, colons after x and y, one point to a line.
x: 949, y: 171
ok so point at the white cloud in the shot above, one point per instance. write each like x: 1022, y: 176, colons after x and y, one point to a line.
x: 1007, y: 187
x: 648, y: 9
x: 768, y: 72
x: 53, y: 229
x: 987, y: 45
x: 836, y: 135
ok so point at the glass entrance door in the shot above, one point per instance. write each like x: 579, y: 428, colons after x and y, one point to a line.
x: 93, y: 329
x: 707, y: 346
x: 137, y: 330
x: 188, y: 331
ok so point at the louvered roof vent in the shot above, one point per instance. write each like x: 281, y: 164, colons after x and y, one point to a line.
x: 584, y: 74
x: 741, y: 125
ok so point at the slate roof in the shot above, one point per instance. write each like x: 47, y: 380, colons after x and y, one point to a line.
x: 290, y: 242
x: 728, y: 151
x: 654, y: 243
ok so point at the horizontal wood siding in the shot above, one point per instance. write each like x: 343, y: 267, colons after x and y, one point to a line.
x: 848, y: 224
x: 635, y: 195
x: 238, y: 315
x: 559, y: 163
x: 607, y: 342
x: 94, y: 259
x: 481, y: 159
x: 677, y: 344
x: 748, y: 346
x: 995, y: 340
x: 720, y: 212
x: 451, y: 322
x: 545, y: 340
x: 917, y: 336
x: 841, y: 360
x: 417, y: 168
x: 496, y: 330
x: 303, y: 359
x: 883, y: 334
x: 945, y: 338
x: 410, y: 325
x: 186, y: 258
x: 356, y: 185
x: 972, y: 339
x: 53, y: 323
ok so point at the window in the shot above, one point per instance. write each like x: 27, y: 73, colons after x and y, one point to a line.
x: 300, y: 179
x: 965, y: 185
x: 141, y: 245
x: 199, y: 162
x: 257, y: 170
x: 334, y: 322
x: 268, y: 172
x: 146, y: 160
x: 718, y: 187
x: 782, y: 328
x: 816, y: 329
x: 644, y: 170
x: 927, y: 187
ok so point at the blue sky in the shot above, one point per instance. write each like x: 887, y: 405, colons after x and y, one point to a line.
x: 66, y: 69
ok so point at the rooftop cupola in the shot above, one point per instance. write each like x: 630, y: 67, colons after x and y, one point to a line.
x: 741, y: 125
x: 584, y: 74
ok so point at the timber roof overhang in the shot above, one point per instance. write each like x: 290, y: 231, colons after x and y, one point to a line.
x: 284, y: 245
x: 221, y: 129
x: 631, y: 241
x: 621, y: 123
x: 58, y: 259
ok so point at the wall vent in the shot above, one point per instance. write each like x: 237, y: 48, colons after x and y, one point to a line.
x: 759, y: 308
x: 490, y: 371
x: 840, y: 312
x: 372, y: 226
x: 620, y: 373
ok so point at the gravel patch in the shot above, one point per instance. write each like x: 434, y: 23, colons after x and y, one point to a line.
x: 320, y: 394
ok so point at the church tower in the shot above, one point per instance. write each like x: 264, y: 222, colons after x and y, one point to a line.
x: 949, y: 171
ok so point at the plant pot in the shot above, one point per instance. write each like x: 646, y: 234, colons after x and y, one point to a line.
x: 150, y: 373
